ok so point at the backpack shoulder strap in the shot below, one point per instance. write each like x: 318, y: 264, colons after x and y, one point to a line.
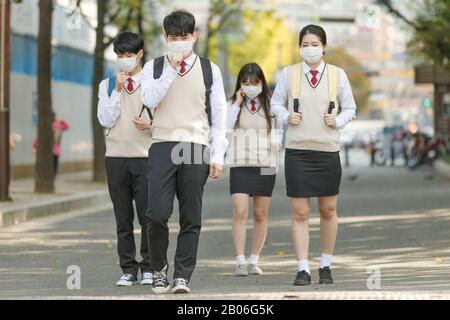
x: 148, y: 112
x: 333, y: 85
x: 333, y: 82
x: 111, y: 85
x: 296, y: 84
x: 208, y: 81
x: 158, y: 65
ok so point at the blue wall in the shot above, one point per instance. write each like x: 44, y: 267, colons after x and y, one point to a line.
x: 68, y: 64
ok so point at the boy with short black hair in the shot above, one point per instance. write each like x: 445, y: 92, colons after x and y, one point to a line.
x: 127, y: 123
x: 186, y: 94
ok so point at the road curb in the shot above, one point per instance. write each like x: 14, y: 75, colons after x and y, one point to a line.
x: 442, y: 168
x: 24, y: 213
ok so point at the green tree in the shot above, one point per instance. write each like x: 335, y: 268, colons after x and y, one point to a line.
x: 268, y: 42
x: 130, y: 15
x: 219, y: 15
x: 262, y: 38
x: 431, y: 29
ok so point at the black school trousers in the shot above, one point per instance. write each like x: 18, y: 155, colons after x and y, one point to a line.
x: 128, y: 181
x: 181, y: 170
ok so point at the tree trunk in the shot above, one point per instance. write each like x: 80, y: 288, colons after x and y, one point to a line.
x: 98, y: 135
x: 44, y: 173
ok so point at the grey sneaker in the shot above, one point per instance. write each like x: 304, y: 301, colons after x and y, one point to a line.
x: 241, y: 270
x: 127, y: 280
x: 254, y: 270
x: 180, y: 286
x: 147, y: 279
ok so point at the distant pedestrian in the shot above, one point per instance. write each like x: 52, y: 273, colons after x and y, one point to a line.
x: 59, y: 126
x: 12, y: 143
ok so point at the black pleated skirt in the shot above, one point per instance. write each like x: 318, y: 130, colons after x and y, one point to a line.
x: 311, y: 174
x: 254, y: 181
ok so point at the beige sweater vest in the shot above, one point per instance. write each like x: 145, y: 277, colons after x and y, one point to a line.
x: 181, y: 115
x: 251, y: 145
x: 124, y: 140
x: 312, y: 133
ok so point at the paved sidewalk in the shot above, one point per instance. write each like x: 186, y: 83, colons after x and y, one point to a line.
x: 73, y: 191
x: 442, y: 168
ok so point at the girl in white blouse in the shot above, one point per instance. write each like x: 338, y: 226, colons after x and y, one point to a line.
x: 320, y: 103
x: 252, y: 155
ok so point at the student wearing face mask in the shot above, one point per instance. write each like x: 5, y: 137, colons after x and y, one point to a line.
x: 127, y: 124
x: 320, y: 103
x: 255, y: 141
x: 186, y: 94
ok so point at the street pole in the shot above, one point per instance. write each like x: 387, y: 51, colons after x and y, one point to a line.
x: 5, y: 174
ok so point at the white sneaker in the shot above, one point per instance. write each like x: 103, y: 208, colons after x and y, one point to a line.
x: 241, y: 270
x: 127, y: 280
x: 147, y: 279
x: 253, y: 269
x: 180, y: 286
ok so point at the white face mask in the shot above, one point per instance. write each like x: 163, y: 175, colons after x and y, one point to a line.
x: 180, y: 46
x: 311, y: 54
x: 127, y: 64
x: 252, y: 91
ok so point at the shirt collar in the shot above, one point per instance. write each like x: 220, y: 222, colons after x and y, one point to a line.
x: 307, y: 68
x: 190, y: 61
x: 249, y: 102
x: 137, y: 77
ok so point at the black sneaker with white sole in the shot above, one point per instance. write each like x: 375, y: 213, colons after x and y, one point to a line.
x: 325, y: 276
x: 127, y: 280
x: 160, y: 283
x: 302, y: 279
x: 180, y: 286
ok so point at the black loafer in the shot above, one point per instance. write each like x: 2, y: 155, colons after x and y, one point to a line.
x: 325, y: 276
x: 302, y: 279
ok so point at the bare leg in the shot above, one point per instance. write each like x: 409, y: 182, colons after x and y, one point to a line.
x: 260, y: 222
x: 328, y: 223
x: 301, y: 211
x: 240, y: 214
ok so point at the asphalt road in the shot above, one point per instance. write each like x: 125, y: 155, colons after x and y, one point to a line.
x: 393, y: 222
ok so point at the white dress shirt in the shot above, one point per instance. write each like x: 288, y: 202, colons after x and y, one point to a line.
x: 345, y: 95
x: 153, y: 92
x: 109, y: 106
x: 233, y: 112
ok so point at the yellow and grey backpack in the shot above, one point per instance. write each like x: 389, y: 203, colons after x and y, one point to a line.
x: 333, y: 85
